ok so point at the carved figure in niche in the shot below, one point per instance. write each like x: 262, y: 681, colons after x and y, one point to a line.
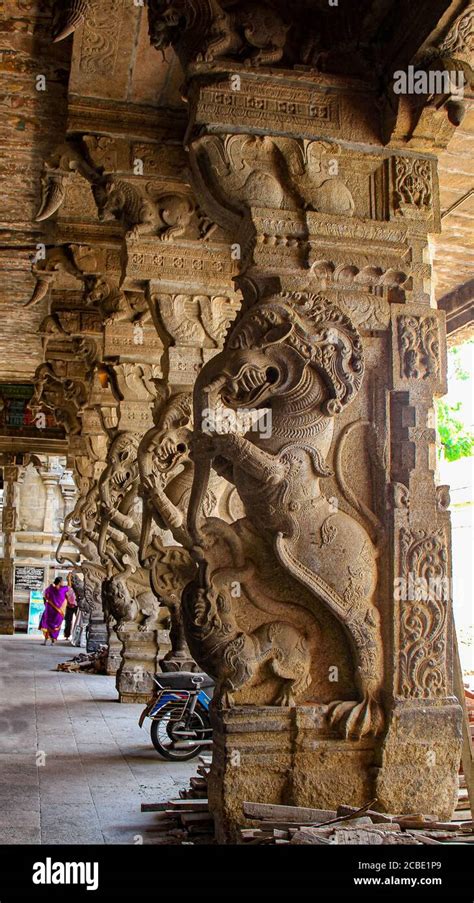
x: 108, y: 298
x: 300, y: 356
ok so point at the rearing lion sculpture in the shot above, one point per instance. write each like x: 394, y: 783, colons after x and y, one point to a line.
x: 294, y: 555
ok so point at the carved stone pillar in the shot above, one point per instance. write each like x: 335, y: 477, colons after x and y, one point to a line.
x: 9, y: 516
x: 304, y: 608
x: 130, y: 607
x: 50, y: 482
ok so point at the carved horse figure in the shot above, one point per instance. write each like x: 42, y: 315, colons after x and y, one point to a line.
x: 300, y: 356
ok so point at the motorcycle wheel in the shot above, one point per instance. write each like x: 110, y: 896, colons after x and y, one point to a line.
x: 163, y: 739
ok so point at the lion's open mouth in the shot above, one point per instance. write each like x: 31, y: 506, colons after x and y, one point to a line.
x: 249, y: 386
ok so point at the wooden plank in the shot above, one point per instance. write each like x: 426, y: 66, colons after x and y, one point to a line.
x: 348, y: 835
x: 467, y: 756
x: 153, y: 807
x: 198, y: 783
x: 189, y: 805
x: 189, y: 818
x: 425, y: 838
x: 287, y: 814
x: 377, y: 817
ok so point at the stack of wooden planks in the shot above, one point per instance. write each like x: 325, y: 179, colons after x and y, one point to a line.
x: 187, y: 819
x: 347, y: 825
x: 95, y: 662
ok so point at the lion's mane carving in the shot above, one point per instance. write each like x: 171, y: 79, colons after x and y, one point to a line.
x: 298, y: 355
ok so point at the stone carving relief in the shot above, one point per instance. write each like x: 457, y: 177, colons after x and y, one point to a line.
x: 63, y: 395
x: 114, y: 304
x: 65, y: 161
x: 413, y: 186
x: 271, y: 172
x: 457, y: 47
x: 424, y: 614
x: 298, y: 355
x: 201, y: 320
x: 146, y: 211
x: 253, y: 32
x: 419, y: 347
x: 166, y: 472
x: 68, y: 16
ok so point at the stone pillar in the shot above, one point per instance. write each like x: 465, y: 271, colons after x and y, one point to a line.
x: 96, y: 630
x: 50, y: 481
x: 131, y: 610
x: 334, y: 679
x: 9, y: 516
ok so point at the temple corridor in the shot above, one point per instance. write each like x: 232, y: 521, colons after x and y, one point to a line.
x: 99, y: 766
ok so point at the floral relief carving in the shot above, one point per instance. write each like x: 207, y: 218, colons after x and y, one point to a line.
x: 419, y: 347
x: 413, y: 185
x: 424, y: 614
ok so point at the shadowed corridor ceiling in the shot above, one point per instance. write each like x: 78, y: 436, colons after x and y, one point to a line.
x: 131, y: 87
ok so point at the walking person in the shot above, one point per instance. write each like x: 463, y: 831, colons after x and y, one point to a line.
x: 71, y: 608
x: 55, y: 605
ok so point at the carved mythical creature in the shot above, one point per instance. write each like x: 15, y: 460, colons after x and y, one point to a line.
x: 254, y: 32
x: 166, y: 472
x: 118, y: 486
x: 64, y: 396
x: 107, y: 298
x: 168, y: 215
x: 116, y: 198
x: 222, y: 647
x: 119, y: 604
x: 119, y: 535
x: 300, y: 356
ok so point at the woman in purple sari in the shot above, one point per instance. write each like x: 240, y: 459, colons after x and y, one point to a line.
x: 54, y: 610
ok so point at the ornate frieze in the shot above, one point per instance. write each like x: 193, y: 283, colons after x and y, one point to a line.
x: 424, y: 606
x: 189, y: 263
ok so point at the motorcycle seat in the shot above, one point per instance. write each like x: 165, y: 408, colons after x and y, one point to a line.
x: 184, y: 680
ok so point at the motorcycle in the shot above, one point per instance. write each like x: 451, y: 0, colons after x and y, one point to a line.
x: 179, y: 712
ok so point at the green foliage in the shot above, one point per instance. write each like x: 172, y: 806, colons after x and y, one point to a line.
x: 457, y: 441
x: 454, y: 359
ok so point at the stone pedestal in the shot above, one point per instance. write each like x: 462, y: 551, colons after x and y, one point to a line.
x: 115, y: 649
x: 96, y: 630
x: 420, y: 758
x: 96, y: 633
x: 139, y: 662
x: 268, y: 754
x: 7, y: 614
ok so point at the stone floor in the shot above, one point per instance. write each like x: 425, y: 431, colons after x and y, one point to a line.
x: 74, y: 765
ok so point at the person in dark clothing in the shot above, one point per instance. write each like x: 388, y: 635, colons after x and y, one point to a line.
x: 71, y: 608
